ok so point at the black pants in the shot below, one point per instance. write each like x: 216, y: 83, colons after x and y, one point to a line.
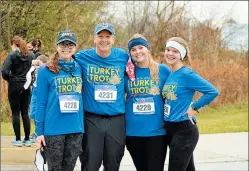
x: 19, y: 100
x: 104, y: 140
x: 182, y: 139
x: 62, y: 151
x: 147, y: 153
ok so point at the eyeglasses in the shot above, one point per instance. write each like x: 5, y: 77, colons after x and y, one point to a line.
x: 65, y: 45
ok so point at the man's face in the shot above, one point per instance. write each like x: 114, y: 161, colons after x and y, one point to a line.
x: 104, y: 41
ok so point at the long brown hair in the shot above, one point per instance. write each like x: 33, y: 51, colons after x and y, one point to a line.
x: 187, y: 59
x: 21, y: 44
x: 53, y: 63
x: 153, y: 65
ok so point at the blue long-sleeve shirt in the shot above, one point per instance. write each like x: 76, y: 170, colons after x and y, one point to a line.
x: 179, y: 91
x: 103, y: 83
x: 33, y: 103
x: 144, y: 103
x: 55, y: 95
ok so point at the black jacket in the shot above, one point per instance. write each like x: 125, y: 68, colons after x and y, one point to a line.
x: 16, y: 66
x: 37, y: 53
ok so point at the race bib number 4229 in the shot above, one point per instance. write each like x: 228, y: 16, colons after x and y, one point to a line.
x: 144, y: 106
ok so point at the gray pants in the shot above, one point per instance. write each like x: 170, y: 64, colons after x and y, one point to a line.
x: 62, y: 151
x: 104, y: 140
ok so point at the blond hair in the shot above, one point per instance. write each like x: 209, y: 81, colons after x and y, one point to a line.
x: 153, y: 65
x: 187, y: 59
x: 43, y: 58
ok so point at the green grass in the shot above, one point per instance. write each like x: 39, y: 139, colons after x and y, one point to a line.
x: 222, y: 119
x: 7, y: 129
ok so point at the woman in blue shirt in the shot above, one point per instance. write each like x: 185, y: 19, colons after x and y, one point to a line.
x: 179, y: 111
x: 145, y: 135
x: 59, y: 120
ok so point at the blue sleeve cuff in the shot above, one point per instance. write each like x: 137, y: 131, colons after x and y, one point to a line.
x: 39, y: 130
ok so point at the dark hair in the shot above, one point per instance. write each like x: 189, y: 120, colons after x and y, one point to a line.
x: 35, y: 42
x: 21, y: 44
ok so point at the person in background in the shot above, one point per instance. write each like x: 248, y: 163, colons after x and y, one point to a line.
x: 34, y: 45
x: 104, y: 101
x: 179, y: 111
x: 145, y: 133
x: 59, y: 122
x: 31, y: 81
x: 14, y: 70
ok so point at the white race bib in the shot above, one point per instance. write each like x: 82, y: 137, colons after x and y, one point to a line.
x: 166, y: 110
x: 144, y: 106
x: 69, y: 103
x: 105, y: 93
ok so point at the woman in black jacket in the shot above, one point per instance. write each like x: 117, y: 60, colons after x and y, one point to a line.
x: 14, y: 70
x: 34, y: 45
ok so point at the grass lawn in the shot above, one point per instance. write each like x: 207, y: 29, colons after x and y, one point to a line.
x: 222, y: 119
x: 7, y: 129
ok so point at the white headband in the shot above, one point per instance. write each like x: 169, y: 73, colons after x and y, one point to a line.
x: 177, y: 46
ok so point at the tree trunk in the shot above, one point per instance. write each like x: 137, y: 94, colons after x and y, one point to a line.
x: 1, y: 65
x: 8, y: 26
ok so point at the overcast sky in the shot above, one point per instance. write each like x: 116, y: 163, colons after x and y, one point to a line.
x: 202, y: 10
x: 238, y: 10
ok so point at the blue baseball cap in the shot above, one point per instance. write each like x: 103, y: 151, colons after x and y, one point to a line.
x: 104, y: 26
x: 66, y: 35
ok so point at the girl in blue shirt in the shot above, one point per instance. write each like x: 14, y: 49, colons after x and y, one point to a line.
x: 145, y: 135
x: 59, y: 116
x: 179, y: 111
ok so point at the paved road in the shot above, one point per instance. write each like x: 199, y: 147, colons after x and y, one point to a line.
x: 216, y: 152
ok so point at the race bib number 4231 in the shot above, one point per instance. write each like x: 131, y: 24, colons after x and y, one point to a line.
x: 105, y: 93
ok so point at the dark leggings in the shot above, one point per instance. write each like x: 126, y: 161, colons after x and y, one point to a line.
x: 19, y: 100
x: 182, y: 139
x: 62, y: 151
x: 147, y: 153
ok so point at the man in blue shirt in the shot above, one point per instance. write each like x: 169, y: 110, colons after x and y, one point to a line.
x: 104, y: 101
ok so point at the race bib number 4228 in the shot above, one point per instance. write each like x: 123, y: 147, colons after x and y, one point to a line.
x: 69, y: 103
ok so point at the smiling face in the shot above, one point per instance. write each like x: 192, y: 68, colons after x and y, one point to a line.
x: 66, y: 50
x: 103, y: 41
x: 172, y: 56
x: 139, y: 53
